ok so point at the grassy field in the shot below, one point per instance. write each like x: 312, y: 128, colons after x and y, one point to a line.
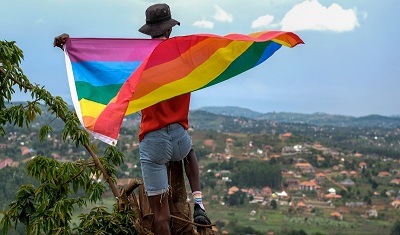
x: 266, y: 220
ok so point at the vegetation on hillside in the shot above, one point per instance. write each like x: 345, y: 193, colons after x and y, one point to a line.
x: 46, y: 207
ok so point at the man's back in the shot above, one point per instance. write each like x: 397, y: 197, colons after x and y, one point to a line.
x: 174, y: 110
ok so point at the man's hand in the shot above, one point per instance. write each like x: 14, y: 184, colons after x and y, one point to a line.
x: 59, y: 41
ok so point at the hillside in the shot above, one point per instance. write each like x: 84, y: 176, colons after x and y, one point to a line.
x: 320, y: 119
x: 246, y: 161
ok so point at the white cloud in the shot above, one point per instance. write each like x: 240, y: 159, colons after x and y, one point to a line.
x: 205, y: 24
x: 311, y: 15
x: 262, y: 21
x: 222, y: 15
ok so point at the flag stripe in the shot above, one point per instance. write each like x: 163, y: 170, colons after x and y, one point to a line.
x: 99, y: 94
x: 245, y: 61
x: 103, y: 73
x: 178, y: 68
x: 174, y: 50
x: 110, y: 49
x: 90, y: 109
x: 269, y: 51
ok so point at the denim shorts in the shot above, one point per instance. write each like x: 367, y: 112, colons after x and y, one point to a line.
x: 170, y: 143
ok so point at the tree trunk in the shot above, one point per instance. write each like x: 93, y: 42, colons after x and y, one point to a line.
x: 179, y: 207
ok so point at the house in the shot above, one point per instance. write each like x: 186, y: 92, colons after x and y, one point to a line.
x: 298, y: 148
x: 353, y: 173
x: 384, y: 174
x: 337, y: 215
x: 362, y: 165
x: 286, y: 173
x: 233, y: 190
x: 229, y: 141
x: 8, y: 162
x: 330, y: 196
x: 292, y: 184
x: 332, y: 191
x: 358, y: 155
x: 347, y: 182
x: 395, y: 181
x: 266, y: 191
x: 396, y: 204
x: 304, y: 167
x: 355, y: 204
x: 25, y: 150
x: 372, y: 213
x: 282, y: 195
x: 320, y: 159
x: 287, y: 151
x: 301, y: 206
x: 319, y: 175
x: 308, y: 185
x: 286, y: 135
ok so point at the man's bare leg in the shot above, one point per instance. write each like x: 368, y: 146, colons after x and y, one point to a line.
x: 192, y: 171
x: 162, y: 218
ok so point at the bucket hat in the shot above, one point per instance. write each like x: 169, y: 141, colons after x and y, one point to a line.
x: 158, y: 20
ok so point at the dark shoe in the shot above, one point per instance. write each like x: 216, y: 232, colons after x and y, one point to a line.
x: 200, y: 216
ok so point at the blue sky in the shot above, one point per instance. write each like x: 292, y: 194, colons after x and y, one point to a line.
x: 349, y: 64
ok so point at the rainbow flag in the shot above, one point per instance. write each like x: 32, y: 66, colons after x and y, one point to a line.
x: 112, y: 78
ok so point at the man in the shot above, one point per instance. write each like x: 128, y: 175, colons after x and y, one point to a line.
x: 163, y: 136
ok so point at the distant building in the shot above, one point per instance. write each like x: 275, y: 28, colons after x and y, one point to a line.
x: 292, y: 184
x: 372, y: 213
x: 337, y: 215
x: 384, y: 174
x: 395, y: 181
x: 362, y: 165
x: 347, y: 182
x: 8, y: 162
x: 308, y: 185
x: 304, y: 167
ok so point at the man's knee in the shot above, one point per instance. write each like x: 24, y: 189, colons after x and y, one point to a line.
x: 163, y: 218
x: 162, y: 223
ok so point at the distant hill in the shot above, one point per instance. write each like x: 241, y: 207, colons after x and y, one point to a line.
x: 231, y: 111
x: 319, y: 119
x: 218, y: 118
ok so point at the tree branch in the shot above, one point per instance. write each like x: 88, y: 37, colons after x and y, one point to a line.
x: 96, y: 160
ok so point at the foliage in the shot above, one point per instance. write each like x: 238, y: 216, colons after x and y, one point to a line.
x: 257, y: 173
x: 100, y: 221
x: 297, y: 232
x: 47, y: 208
x: 241, y: 230
x: 236, y: 198
x: 10, y: 180
x: 396, y: 228
x: 274, y: 204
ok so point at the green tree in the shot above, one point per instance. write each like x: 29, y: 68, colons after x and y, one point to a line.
x: 257, y: 174
x: 274, y: 204
x: 47, y: 208
x: 396, y: 228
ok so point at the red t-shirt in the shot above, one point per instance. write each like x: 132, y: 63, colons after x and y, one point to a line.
x: 174, y: 110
